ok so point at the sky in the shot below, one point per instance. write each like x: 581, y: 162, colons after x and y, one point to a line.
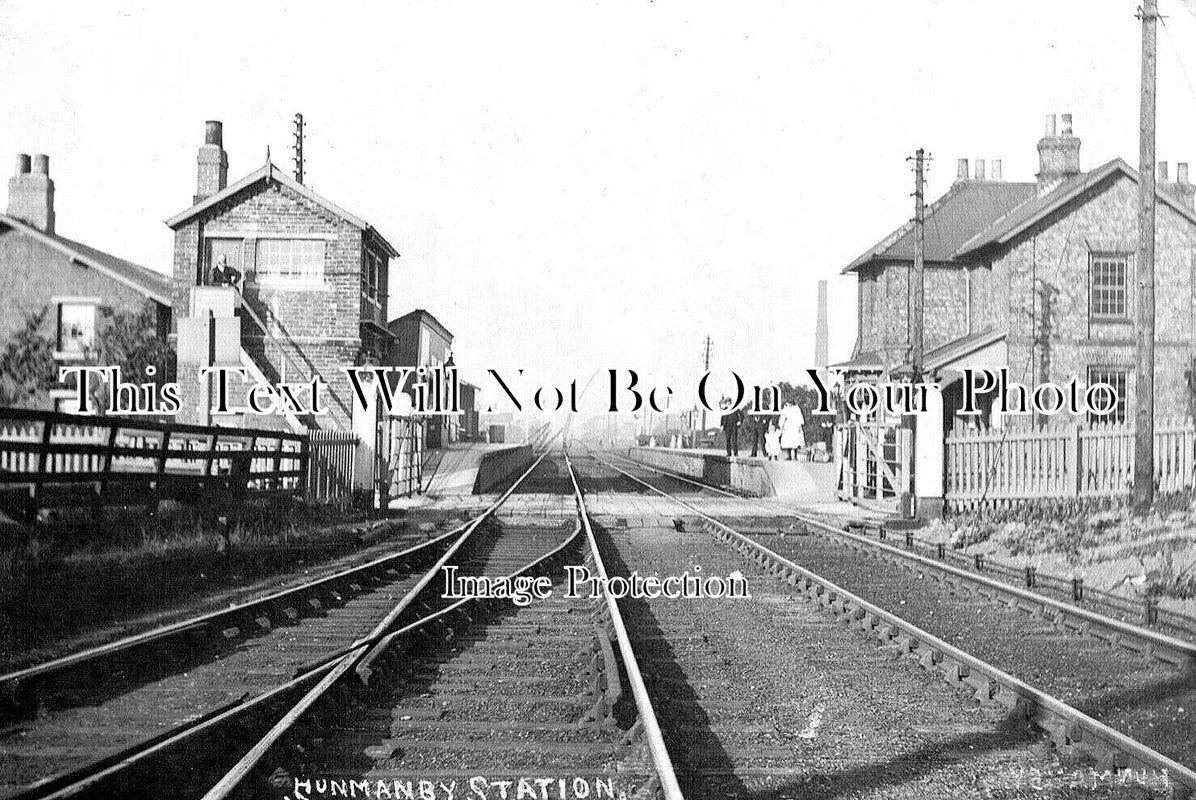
x: 584, y: 185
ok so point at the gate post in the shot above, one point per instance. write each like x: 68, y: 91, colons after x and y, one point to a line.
x: 928, y: 457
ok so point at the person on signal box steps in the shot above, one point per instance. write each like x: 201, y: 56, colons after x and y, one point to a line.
x: 223, y: 274
x: 731, y: 422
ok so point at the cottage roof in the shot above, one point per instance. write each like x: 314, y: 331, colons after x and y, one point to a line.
x: 967, y: 208
x: 153, y: 285
x: 267, y: 173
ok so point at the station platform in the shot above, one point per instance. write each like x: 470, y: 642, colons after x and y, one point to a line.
x: 469, y: 467
x: 802, y: 482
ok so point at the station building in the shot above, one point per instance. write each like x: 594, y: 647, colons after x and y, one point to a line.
x: 420, y: 340
x: 1039, y: 278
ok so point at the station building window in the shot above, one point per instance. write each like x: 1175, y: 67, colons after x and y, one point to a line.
x: 371, y: 277
x: 1118, y: 378
x: 297, y: 262
x: 1109, y: 287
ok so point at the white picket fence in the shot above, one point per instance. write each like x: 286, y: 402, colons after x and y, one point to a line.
x: 1073, y: 461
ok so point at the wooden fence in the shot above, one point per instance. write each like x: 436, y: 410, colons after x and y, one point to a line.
x: 1074, y: 461
x: 331, y: 465
x: 50, y: 459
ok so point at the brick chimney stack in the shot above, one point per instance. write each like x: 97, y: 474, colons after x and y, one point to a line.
x: 995, y: 169
x: 213, y: 162
x: 31, y: 192
x: 961, y: 171
x: 1180, y: 188
x: 1058, y: 154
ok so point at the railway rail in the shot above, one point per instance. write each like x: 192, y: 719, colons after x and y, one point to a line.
x: 481, y: 693
x: 114, y: 717
x: 1114, y: 630
x: 1144, y: 666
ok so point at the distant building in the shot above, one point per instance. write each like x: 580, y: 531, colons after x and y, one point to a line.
x: 313, y: 295
x: 421, y: 341
x: 471, y: 413
x: 74, y: 289
x: 1039, y: 278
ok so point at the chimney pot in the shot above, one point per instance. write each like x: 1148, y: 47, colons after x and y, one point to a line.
x: 214, y: 132
x: 31, y: 192
x: 995, y: 169
x: 1058, y: 156
x: 1181, y: 172
x: 980, y: 169
x: 1163, y: 172
x: 961, y: 173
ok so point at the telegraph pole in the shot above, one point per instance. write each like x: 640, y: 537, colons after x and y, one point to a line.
x: 1144, y: 404
x: 706, y: 346
x: 917, y: 284
x: 299, y: 148
x: 916, y: 319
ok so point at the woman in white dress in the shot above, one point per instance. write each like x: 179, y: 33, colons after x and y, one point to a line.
x: 793, y: 436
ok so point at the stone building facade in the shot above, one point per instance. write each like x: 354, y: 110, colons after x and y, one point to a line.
x: 1048, y: 267
x: 313, y: 292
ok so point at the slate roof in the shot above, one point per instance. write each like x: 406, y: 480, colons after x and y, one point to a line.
x: 1019, y: 219
x: 967, y: 208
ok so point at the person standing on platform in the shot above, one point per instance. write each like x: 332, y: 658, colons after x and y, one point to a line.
x: 793, y: 436
x: 731, y: 422
x: 772, y: 438
x: 758, y: 430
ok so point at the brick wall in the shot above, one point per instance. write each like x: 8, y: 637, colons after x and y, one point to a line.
x: 32, y: 274
x: 1056, y: 253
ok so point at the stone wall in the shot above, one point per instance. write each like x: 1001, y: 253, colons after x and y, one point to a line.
x: 1055, y: 258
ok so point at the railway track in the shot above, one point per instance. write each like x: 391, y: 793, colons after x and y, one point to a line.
x: 108, y: 715
x: 489, y: 696
x: 1105, y: 617
x: 1119, y: 699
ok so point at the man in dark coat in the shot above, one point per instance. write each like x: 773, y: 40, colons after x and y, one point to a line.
x: 757, y: 426
x: 224, y: 274
x: 731, y: 422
